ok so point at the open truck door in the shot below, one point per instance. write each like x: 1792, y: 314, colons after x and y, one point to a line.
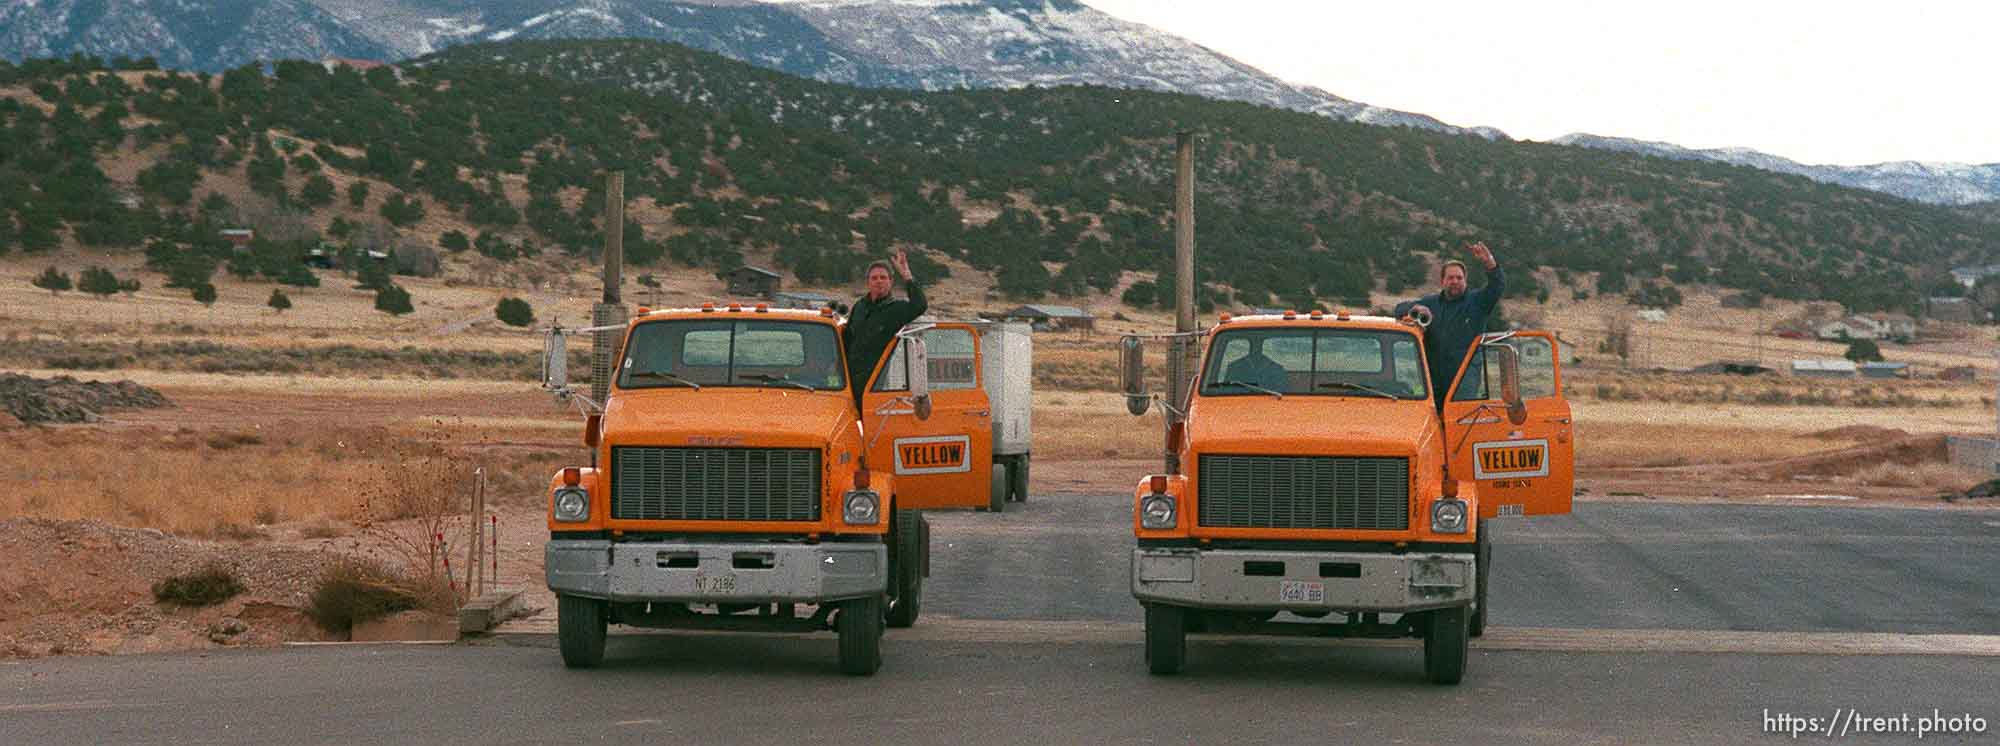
x: 945, y: 461
x: 1517, y: 445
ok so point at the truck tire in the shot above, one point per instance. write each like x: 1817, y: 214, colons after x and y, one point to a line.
x: 580, y: 626
x: 1166, y: 639
x: 1445, y: 645
x: 997, y: 489
x: 1483, y: 556
x: 1017, y: 478
x: 860, y: 628
x: 906, y: 569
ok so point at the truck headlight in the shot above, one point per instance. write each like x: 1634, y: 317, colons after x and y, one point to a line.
x: 861, y: 508
x: 1156, y: 511
x: 572, y: 504
x: 1448, y: 516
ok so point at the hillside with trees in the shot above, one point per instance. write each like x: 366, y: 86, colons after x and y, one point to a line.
x: 496, y: 149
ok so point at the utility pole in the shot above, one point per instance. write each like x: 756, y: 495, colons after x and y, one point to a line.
x: 611, y: 311
x: 1181, y: 362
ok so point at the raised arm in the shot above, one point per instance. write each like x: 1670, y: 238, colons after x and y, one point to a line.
x: 1488, y: 296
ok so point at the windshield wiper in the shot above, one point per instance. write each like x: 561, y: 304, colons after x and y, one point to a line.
x: 768, y: 378
x: 1252, y: 387
x: 1350, y: 386
x: 664, y: 375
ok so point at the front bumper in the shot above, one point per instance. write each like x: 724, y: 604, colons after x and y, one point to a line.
x: 746, y: 572
x: 1302, y: 581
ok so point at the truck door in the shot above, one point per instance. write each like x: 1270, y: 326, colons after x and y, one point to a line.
x: 1525, y: 469
x: 947, y: 460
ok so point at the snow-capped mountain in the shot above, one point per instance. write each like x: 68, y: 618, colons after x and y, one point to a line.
x: 1936, y: 183
x: 922, y: 44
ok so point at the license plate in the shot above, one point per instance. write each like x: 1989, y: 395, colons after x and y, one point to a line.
x: 715, y: 583
x: 1301, y: 592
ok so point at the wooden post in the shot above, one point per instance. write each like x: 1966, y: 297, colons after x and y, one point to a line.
x: 1181, y: 354
x: 474, y: 554
x: 611, y: 312
x: 614, y: 235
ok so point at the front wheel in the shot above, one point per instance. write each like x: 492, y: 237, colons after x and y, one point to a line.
x: 1484, y: 556
x: 1166, y: 639
x: 996, y: 499
x: 580, y: 626
x: 860, y: 628
x: 907, y: 569
x: 1445, y: 646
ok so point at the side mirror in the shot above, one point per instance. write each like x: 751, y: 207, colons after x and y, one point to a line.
x: 1132, y: 375
x: 917, y: 358
x: 555, y: 360
x: 593, y: 428
x: 1510, y: 381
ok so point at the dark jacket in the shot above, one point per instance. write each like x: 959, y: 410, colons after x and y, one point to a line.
x: 1454, y: 326
x: 872, y: 326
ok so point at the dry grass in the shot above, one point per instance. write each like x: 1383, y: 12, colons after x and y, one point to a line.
x: 181, y: 481
x: 1776, y: 391
x: 1626, y: 444
x: 1075, y: 426
x: 1929, y: 476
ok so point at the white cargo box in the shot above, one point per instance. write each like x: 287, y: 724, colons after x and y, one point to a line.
x: 1007, y: 369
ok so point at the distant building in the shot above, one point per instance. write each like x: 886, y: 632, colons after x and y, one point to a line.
x: 1044, y: 317
x: 746, y: 281
x: 800, y: 299
x: 1654, y: 315
x: 1823, y: 368
x: 1954, y: 309
x: 1885, y: 370
x: 239, y: 238
x: 359, y: 65
x: 1852, y: 327
x: 1970, y: 276
x: 1895, y: 325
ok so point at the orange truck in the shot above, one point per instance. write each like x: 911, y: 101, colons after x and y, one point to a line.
x: 1323, y: 490
x: 733, y: 485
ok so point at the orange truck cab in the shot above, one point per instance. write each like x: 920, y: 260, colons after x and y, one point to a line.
x: 734, y: 485
x: 1320, y: 481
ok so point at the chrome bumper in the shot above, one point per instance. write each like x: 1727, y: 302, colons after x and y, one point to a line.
x: 746, y: 572
x: 1343, y: 581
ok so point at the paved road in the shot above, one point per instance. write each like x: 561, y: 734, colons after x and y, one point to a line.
x: 747, y: 689
x: 1608, y: 565
x: 1621, y: 623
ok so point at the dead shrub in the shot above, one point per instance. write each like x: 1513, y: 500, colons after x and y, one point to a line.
x: 353, y: 590
x: 227, y: 441
x: 323, y: 529
x: 208, y: 586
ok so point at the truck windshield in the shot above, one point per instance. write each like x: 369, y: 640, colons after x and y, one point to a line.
x: 730, y: 352
x: 1315, y: 362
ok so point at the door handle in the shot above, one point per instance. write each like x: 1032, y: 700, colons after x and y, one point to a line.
x: 981, y: 413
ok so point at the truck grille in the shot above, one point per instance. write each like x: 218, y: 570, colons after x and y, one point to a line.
x: 1304, y: 492
x: 714, y: 484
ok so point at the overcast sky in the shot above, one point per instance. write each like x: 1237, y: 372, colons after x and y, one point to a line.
x: 1818, y: 82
